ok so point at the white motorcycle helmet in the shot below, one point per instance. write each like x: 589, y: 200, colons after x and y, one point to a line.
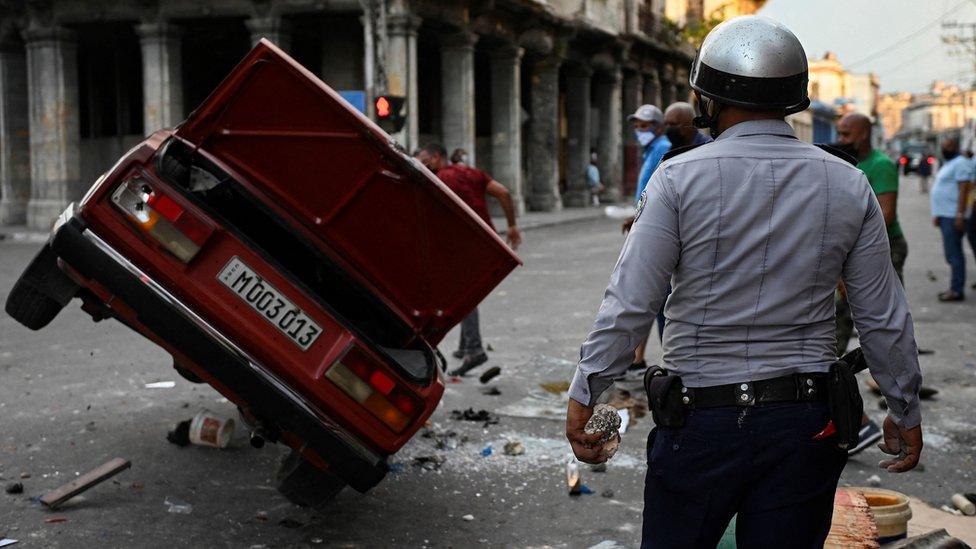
x: 752, y: 62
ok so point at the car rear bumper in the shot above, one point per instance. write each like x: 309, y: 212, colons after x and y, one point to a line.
x: 266, y: 395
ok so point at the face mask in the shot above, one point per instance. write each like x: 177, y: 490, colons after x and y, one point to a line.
x: 675, y: 136
x: 644, y: 137
x: 949, y: 155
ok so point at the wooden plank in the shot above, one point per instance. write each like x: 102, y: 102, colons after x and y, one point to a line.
x: 853, y: 525
x: 60, y: 495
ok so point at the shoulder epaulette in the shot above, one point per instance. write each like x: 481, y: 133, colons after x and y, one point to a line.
x: 838, y: 153
x: 679, y: 150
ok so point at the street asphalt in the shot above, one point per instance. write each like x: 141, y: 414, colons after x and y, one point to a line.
x: 73, y: 396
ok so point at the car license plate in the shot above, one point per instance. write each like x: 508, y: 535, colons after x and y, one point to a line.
x: 269, y: 303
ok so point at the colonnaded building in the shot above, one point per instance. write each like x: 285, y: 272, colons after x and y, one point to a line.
x: 527, y: 87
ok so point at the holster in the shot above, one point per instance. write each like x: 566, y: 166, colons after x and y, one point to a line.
x: 844, y: 401
x: 664, y: 397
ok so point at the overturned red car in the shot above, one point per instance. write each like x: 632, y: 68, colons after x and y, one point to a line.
x: 284, y: 250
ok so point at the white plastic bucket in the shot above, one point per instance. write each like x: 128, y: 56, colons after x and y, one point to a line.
x: 210, y: 429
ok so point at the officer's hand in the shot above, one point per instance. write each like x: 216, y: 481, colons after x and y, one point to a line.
x: 906, y: 444
x: 585, y: 446
x: 625, y: 228
x: 514, y: 237
x: 935, y: 221
x: 959, y: 223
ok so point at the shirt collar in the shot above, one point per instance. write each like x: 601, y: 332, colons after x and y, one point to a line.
x: 749, y: 127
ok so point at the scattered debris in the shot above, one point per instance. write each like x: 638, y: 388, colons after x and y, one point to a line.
x: 84, y: 482
x: 932, y: 540
x: 470, y: 415
x: 137, y: 486
x: 486, y: 451
x: 606, y: 420
x: 397, y: 467
x: 290, y: 523
x: 931, y: 276
x: 429, y: 463
x: 926, y: 352
x: 599, y: 467
x: 25, y: 475
x: 555, y: 387
x: 467, y: 518
x: 180, y: 435
x: 607, y: 493
x: 177, y: 506
x: 490, y: 391
x: 261, y: 516
x: 586, y: 490
x: 489, y: 348
x: 14, y: 488
x: 952, y: 511
x: 55, y: 520
x: 874, y: 480
x: 489, y: 374
x: 514, y: 448
x: 444, y: 440
x: 210, y: 429
x: 454, y: 379
x: 161, y: 385
x: 963, y: 504
x: 574, y: 479
x: 926, y: 393
x: 6, y: 542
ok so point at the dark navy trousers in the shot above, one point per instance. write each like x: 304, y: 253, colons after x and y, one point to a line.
x: 759, y: 463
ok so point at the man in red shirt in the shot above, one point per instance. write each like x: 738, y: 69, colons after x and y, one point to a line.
x: 472, y: 186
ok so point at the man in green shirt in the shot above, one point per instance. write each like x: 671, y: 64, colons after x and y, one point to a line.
x: 854, y: 131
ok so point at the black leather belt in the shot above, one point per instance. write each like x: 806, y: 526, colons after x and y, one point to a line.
x: 791, y: 388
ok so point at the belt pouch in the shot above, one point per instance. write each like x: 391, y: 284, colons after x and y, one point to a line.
x: 664, y: 398
x: 844, y: 401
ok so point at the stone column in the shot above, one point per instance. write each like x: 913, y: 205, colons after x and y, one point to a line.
x: 578, y: 135
x: 52, y: 77
x: 14, y: 139
x: 457, y: 88
x: 273, y: 28
x: 162, y: 76
x: 401, y: 71
x: 668, y: 92
x: 632, y: 98
x: 652, y: 88
x: 608, y: 100
x: 681, y: 85
x: 506, y: 122
x: 544, y: 136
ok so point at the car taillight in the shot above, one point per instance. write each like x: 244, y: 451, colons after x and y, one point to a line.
x: 903, y: 160
x: 360, y: 378
x: 177, y: 229
x: 930, y: 160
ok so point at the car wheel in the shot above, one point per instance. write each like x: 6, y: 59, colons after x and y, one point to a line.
x: 305, y: 484
x: 32, y: 308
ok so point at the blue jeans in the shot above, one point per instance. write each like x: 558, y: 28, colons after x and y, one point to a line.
x: 760, y: 463
x: 952, y: 246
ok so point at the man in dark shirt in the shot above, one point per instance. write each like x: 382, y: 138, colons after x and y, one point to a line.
x: 472, y: 186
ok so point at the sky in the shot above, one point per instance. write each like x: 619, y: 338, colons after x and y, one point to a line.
x: 898, y: 40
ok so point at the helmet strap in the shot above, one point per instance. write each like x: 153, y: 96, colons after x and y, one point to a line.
x: 708, y: 110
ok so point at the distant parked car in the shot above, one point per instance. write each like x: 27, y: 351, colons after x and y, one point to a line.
x: 283, y: 249
x: 916, y: 159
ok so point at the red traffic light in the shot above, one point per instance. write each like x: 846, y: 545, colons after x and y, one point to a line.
x: 903, y: 160
x: 383, y: 107
x: 930, y: 160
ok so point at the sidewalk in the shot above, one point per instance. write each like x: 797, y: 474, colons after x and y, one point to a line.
x: 528, y: 221
x: 537, y: 220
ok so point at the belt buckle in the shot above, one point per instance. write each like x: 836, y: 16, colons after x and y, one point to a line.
x: 745, y: 394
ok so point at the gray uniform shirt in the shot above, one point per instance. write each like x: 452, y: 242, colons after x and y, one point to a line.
x: 753, y: 231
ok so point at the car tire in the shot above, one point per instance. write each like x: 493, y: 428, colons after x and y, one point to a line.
x: 31, y: 307
x: 305, y: 484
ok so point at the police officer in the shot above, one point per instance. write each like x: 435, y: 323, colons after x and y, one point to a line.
x: 753, y: 231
